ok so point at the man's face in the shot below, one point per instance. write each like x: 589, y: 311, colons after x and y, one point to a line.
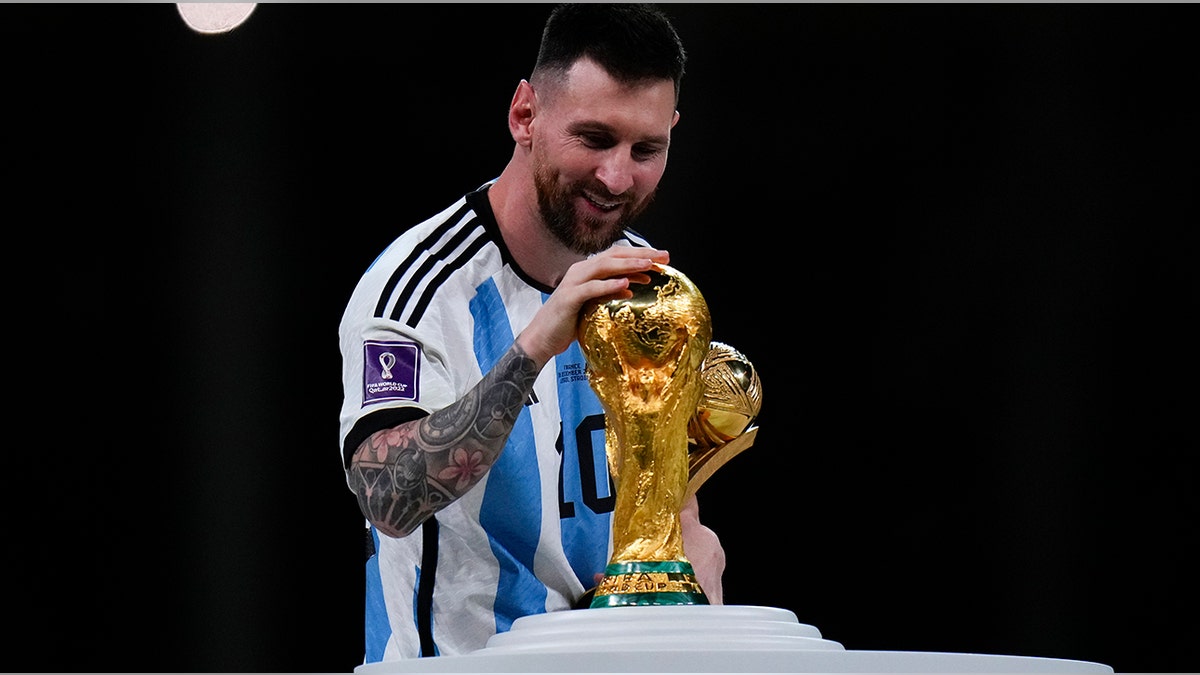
x: 599, y: 150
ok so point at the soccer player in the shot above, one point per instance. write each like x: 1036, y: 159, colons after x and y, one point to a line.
x: 469, y: 431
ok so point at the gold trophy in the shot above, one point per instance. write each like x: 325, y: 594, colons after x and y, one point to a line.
x: 722, y: 425
x: 668, y: 427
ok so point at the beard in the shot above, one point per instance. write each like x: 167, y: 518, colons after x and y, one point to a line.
x: 584, y: 234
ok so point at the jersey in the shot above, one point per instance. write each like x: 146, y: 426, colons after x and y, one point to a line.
x: 428, y: 318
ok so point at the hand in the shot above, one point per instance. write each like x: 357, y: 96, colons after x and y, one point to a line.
x: 703, y: 549
x: 604, y: 276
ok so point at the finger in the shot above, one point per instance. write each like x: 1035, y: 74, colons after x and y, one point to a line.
x: 606, y: 289
x: 658, y: 255
x: 576, y: 294
x: 618, y: 266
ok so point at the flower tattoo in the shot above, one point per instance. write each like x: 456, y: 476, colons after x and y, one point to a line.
x: 464, y: 467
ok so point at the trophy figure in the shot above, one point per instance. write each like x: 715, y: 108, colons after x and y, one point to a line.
x: 646, y: 359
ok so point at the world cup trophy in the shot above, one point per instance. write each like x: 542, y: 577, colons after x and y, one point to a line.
x: 668, y: 427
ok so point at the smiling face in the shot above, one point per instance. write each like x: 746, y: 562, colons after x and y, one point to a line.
x: 598, y: 151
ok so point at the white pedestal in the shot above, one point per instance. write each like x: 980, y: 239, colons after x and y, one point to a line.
x: 698, y: 639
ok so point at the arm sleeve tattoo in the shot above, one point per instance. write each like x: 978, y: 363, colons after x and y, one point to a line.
x: 407, y: 473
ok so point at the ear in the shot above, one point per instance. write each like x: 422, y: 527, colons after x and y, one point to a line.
x: 521, y: 112
x: 675, y: 119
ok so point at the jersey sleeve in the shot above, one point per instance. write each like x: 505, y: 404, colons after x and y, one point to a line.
x: 391, y: 373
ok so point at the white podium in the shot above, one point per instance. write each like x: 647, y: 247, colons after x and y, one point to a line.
x: 698, y: 639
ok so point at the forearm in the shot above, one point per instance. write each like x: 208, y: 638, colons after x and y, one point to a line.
x: 407, y: 473
x: 703, y: 548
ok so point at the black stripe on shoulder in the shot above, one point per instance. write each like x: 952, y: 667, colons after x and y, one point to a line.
x: 470, y: 228
x: 436, y: 282
x: 412, y: 258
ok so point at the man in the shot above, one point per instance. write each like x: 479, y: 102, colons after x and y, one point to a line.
x: 481, y: 470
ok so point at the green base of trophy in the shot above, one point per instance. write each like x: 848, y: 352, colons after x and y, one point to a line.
x: 627, y: 584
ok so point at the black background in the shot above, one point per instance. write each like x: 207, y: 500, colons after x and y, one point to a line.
x: 958, y: 241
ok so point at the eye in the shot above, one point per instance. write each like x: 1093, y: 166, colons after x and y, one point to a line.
x: 597, y: 141
x: 645, y: 152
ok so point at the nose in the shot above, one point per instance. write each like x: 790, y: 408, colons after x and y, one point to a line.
x: 616, y: 171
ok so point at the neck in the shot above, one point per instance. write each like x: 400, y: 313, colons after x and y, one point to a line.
x: 538, y: 252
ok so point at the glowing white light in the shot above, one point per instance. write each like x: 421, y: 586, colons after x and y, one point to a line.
x: 215, y: 17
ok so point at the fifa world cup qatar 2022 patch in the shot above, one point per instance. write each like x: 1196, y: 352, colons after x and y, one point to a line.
x: 391, y: 371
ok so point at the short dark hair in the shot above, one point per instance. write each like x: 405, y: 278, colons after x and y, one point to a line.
x: 632, y: 42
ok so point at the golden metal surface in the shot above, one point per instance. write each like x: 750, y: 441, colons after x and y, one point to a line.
x: 702, y: 464
x: 649, y: 582
x: 644, y: 358
x: 723, y: 424
x: 730, y: 400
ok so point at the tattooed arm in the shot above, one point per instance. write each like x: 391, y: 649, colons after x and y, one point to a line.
x: 405, y: 474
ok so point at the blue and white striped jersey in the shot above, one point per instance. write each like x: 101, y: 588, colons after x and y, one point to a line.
x: 430, y: 316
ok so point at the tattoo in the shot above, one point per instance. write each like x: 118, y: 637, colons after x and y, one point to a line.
x: 407, y: 473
